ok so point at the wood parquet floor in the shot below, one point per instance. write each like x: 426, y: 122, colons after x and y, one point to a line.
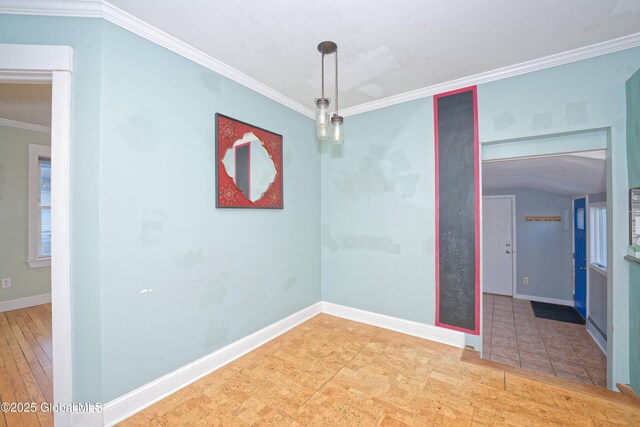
x: 26, y: 370
x: 334, y: 372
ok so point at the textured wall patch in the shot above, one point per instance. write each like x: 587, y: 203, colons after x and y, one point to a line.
x: 369, y: 243
x: 289, y: 284
x: 190, y: 259
x: 211, y: 82
x: 380, y: 171
x: 328, y: 241
x: 216, y: 291
x: 542, y: 121
x: 576, y: 113
x: 503, y: 121
x: 141, y: 131
x: 152, y: 224
x: 369, y: 179
x: 217, y: 334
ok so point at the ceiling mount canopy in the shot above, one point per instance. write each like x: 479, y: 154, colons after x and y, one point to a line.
x: 322, y: 103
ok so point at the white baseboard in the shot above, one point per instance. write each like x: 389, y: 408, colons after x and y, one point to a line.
x: 544, y: 299
x: 421, y: 330
x: 91, y: 417
x: 142, y: 397
x: 18, y: 303
x: 597, y: 338
x: 138, y: 399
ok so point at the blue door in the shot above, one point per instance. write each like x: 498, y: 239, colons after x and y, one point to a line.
x: 580, y: 256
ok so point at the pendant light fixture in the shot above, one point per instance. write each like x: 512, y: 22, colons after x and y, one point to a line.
x: 322, y: 103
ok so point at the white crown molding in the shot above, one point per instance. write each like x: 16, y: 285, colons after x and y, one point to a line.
x: 610, y: 46
x: 78, y: 8
x: 125, y: 20
x: 104, y: 9
x: 23, y: 125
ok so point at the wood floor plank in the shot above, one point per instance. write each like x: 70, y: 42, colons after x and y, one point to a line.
x: 25, y: 368
x: 14, y: 360
x: 7, y: 393
x: 34, y: 345
x: 29, y: 368
x: 43, y: 340
x: 44, y: 384
x: 44, y: 332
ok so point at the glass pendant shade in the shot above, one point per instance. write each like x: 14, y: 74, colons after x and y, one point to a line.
x: 338, y: 130
x: 322, y: 118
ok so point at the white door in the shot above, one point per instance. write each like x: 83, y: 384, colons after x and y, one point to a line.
x: 497, y: 245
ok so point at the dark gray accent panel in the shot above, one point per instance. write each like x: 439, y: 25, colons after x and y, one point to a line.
x: 457, y: 210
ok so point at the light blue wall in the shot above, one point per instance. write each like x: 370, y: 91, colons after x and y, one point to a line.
x: 633, y: 150
x: 543, y: 248
x: 144, y: 216
x: 377, y: 214
x: 214, y: 275
x: 378, y: 190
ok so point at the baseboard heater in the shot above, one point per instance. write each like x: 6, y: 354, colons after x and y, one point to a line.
x: 595, y: 325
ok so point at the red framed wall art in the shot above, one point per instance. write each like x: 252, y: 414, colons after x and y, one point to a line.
x: 248, y: 166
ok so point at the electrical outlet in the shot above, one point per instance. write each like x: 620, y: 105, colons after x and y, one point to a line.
x: 525, y: 280
x: 6, y: 283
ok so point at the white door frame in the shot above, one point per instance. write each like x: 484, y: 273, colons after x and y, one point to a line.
x: 514, y: 236
x: 54, y: 64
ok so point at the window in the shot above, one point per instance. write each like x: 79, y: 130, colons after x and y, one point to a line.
x: 598, y: 235
x: 45, y: 208
x: 39, y: 206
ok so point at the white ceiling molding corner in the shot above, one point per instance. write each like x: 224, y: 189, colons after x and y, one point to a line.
x: 23, y: 125
x: 129, y: 22
x: 104, y: 9
x: 610, y: 46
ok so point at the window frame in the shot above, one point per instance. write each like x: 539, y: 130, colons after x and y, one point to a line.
x: 36, y: 154
x: 597, y: 227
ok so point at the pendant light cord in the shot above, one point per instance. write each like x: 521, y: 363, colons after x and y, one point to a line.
x: 323, y: 75
x: 336, y: 81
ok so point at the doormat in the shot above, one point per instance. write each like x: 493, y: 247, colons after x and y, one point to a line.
x: 561, y: 313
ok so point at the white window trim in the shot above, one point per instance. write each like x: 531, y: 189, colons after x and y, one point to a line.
x: 36, y: 152
x: 598, y: 269
x: 592, y: 265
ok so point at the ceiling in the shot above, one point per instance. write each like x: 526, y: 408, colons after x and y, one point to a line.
x: 571, y: 175
x: 385, y: 48
x: 27, y: 103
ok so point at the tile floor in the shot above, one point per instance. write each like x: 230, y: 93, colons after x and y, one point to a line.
x: 513, y: 335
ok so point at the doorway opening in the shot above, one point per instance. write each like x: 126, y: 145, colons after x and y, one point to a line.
x: 544, y: 264
x: 25, y: 246
x: 49, y: 65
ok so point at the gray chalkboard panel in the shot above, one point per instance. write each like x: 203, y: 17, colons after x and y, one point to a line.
x: 457, y: 282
